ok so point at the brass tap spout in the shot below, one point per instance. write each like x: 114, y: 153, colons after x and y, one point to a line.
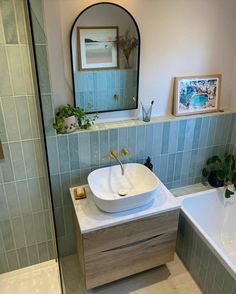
x: 114, y: 155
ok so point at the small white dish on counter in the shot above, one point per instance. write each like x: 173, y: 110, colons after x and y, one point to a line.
x: 114, y: 192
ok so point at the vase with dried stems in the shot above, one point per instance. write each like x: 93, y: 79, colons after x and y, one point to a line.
x: 127, y: 44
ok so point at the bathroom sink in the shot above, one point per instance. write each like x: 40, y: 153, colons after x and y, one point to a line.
x: 113, y: 192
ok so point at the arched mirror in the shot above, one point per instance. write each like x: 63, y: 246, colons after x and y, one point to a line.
x: 105, y: 50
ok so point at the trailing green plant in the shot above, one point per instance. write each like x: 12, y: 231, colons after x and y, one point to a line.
x: 224, y: 170
x: 83, y: 121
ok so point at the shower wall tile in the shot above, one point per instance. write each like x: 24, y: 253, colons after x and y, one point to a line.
x: 25, y: 221
x: 16, y: 70
x: 9, y: 22
x: 23, y: 115
x: 5, y: 89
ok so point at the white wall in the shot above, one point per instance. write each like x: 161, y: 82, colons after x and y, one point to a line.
x: 178, y: 37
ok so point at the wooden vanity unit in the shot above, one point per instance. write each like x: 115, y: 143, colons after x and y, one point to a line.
x: 114, y: 246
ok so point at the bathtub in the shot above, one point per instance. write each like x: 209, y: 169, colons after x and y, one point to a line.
x: 206, y: 240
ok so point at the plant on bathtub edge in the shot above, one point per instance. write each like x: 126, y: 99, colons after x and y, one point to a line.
x: 221, y: 172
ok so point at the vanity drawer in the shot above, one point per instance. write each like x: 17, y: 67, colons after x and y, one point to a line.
x: 119, y: 251
x: 130, y: 232
x: 113, y: 264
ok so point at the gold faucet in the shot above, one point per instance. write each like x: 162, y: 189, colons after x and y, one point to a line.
x: 114, y: 154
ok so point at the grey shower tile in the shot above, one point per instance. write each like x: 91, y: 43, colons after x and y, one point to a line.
x: 18, y: 231
x: 12, y: 199
x: 23, y: 258
x: 11, y: 125
x: 3, y: 263
x: 24, y: 197
x: 30, y: 159
x: 5, y: 89
x: 12, y: 260
x: 64, y: 161
x: 44, y: 187
x: 65, y: 184
x: 24, y: 118
x: 56, y: 191
x: 27, y: 68
x: 7, y: 235
x: 60, y: 223
x: 39, y: 225
x: 35, y: 195
x: 53, y: 155
x: 74, y: 151
x: 30, y: 231
x: 16, y: 70
x: 48, y: 222
x: 94, y: 149
x: 33, y: 254
x: 43, y: 252
x: 38, y: 21
x: 17, y: 161
x: 43, y: 71
x: 20, y: 20
x: 9, y: 22
x: 3, y: 205
x: 3, y: 134
x: 48, y: 115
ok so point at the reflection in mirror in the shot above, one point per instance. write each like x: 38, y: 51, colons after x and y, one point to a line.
x: 105, y: 46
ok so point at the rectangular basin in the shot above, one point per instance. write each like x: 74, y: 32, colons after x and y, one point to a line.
x: 113, y: 192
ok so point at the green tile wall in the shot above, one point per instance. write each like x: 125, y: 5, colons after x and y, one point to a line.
x: 26, y: 233
x: 204, y: 266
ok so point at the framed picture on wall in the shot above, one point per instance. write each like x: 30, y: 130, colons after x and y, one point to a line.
x: 97, y: 47
x: 196, y: 94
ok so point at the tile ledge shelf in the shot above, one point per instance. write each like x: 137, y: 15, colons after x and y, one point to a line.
x: 137, y: 122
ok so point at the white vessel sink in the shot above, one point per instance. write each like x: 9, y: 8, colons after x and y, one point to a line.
x: 113, y: 192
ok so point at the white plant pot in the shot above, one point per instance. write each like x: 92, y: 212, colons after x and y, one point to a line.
x: 69, y: 124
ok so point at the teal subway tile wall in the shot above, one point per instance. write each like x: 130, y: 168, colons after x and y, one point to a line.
x: 26, y: 234
x: 201, y: 262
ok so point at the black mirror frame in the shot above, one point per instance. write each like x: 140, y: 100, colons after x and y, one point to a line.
x: 138, y: 66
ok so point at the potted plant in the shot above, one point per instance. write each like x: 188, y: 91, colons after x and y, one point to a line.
x: 221, y: 172
x: 69, y: 118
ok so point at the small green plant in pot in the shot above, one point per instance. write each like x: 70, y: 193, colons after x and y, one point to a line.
x: 69, y: 118
x: 221, y: 172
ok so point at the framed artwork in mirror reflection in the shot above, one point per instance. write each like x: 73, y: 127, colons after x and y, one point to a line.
x: 196, y: 94
x: 97, y: 48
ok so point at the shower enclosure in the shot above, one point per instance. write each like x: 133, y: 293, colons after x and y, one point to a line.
x: 28, y: 247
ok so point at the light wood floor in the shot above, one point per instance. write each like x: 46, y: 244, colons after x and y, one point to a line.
x: 172, y: 278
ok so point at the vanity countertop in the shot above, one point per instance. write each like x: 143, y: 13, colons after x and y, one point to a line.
x: 91, y: 218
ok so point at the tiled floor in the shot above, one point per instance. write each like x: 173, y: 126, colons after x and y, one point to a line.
x: 42, y: 278
x: 170, y: 279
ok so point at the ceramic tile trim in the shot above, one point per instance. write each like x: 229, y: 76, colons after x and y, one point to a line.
x: 208, y: 272
x: 136, y: 122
